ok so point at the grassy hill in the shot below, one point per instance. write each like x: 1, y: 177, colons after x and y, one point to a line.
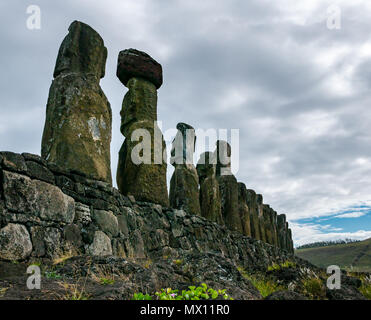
x: 351, y: 256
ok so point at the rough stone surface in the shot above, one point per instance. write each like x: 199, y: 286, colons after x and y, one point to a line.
x: 77, y: 132
x: 37, y: 198
x: 106, y: 221
x: 138, y: 175
x: 138, y: 228
x: 133, y: 63
x: 15, y: 242
x: 101, y: 245
x: 285, y: 295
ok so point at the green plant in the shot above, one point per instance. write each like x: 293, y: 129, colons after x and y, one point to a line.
x: 106, y: 281
x: 314, y: 288
x: 178, y: 262
x: 52, y: 275
x: 141, y: 296
x: 286, y: 264
x: 3, y: 291
x: 194, y: 293
x: 263, y: 285
x: 365, y: 288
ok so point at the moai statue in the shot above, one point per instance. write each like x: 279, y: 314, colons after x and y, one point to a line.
x: 275, y: 231
x: 290, y: 241
x: 209, y: 188
x: 184, y: 182
x: 228, y: 186
x: 254, y: 214
x: 244, y: 209
x: 141, y: 170
x: 281, y: 230
x: 262, y: 218
x: 77, y: 132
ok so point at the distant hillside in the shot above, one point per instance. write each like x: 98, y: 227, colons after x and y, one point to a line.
x: 350, y: 256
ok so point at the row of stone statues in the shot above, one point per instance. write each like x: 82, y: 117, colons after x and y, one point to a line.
x: 77, y: 136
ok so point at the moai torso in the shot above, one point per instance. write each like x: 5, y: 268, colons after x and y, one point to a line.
x: 209, y: 188
x: 78, y: 125
x: 244, y: 209
x: 281, y: 230
x: 262, y: 218
x: 141, y: 168
x: 254, y: 214
x: 184, y: 181
x: 228, y: 187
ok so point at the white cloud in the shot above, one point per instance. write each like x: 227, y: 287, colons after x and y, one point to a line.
x: 352, y: 215
x: 308, y: 233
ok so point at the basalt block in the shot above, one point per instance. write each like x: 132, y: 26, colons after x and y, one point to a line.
x: 77, y: 132
x: 133, y: 63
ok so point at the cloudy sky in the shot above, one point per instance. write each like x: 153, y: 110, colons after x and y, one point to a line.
x: 298, y: 91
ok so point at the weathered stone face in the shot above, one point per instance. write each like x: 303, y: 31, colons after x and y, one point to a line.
x: 254, y: 214
x: 281, y: 230
x: 82, y: 51
x: 244, y: 209
x: 77, y: 132
x: 206, y: 166
x: 184, y: 189
x: 228, y: 188
x: 183, y: 145
x: 184, y: 181
x: 15, y: 242
x: 146, y: 182
x: 133, y: 63
x: 223, y: 156
x: 210, y: 201
x: 140, y: 104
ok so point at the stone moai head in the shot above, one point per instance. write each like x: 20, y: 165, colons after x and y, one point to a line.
x: 82, y: 51
x: 142, y: 75
x: 223, y: 155
x: 206, y: 166
x: 259, y: 199
x: 242, y: 193
x: 183, y: 146
x: 250, y: 197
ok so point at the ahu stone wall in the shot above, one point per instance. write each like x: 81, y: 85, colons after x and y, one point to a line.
x: 46, y: 212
